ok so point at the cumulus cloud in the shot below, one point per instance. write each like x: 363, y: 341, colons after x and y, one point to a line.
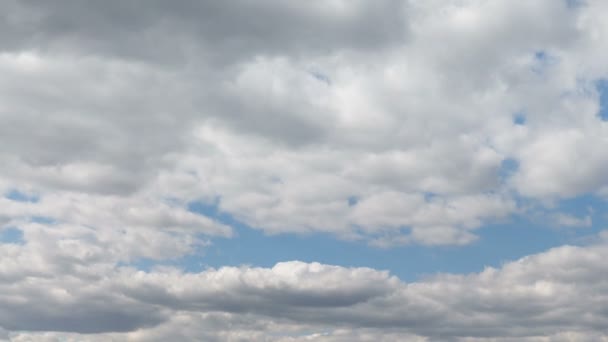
x: 288, y: 112
x: 560, y: 292
x: 389, y: 122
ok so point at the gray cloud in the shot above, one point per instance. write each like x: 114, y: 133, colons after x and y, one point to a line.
x: 243, y: 100
x: 387, y: 121
x: 553, y: 293
x: 157, y: 32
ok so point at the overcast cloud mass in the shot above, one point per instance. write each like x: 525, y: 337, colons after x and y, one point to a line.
x: 387, y: 124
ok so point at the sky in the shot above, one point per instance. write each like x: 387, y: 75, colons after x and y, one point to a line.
x: 327, y: 170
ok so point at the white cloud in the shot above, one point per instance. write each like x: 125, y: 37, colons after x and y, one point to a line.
x: 285, y: 129
x: 560, y: 292
x: 566, y: 220
x: 385, y: 121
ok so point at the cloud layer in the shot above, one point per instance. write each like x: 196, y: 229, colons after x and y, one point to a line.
x: 555, y: 294
x: 309, y: 118
x: 389, y: 122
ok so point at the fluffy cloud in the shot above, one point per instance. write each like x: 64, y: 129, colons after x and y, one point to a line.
x: 390, y: 122
x: 288, y: 116
x: 561, y: 292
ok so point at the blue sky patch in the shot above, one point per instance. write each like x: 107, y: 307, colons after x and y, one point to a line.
x: 508, y: 168
x: 513, y: 238
x: 540, y: 56
x: 519, y: 119
x: 353, y: 200
x: 12, y: 236
x: 543, y: 60
x: 43, y: 220
x: 19, y: 196
x: 321, y: 77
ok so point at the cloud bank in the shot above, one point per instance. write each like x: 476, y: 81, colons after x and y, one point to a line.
x: 393, y: 123
x: 558, y: 295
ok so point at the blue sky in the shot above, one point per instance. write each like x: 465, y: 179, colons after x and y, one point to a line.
x: 498, y: 243
x: 286, y: 171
